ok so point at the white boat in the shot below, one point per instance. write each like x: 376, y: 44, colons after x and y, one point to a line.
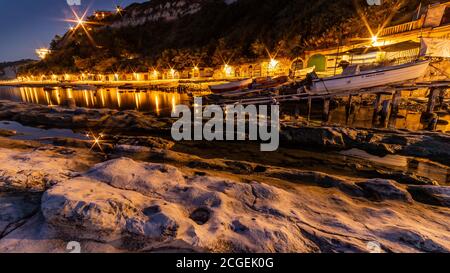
x: 232, y: 86
x: 370, y: 78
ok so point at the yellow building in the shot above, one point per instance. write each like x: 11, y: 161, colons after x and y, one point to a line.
x: 399, y: 43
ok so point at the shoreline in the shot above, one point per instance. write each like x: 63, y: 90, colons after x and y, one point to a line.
x: 202, y: 83
x: 310, y: 196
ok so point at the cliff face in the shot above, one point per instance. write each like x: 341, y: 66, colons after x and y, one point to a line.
x: 8, y: 70
x: 153, y: 11
x: 207, y: 32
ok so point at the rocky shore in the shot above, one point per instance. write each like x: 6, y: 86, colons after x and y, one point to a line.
x: 139, y: 191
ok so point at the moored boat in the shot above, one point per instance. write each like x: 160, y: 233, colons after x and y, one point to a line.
x: 232, y: 86
x: 264, y: 83
x: 370, y: 78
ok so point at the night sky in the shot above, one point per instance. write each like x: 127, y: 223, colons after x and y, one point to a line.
x: 29, y: 24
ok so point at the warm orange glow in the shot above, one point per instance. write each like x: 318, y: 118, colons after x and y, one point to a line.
x: 228, y: 70
x: 273, y: 64
x: 374, y: 39
x: 81, y: 23
x: 42, y: 52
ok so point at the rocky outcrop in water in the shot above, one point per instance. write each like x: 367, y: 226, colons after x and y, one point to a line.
x: 434, y: 146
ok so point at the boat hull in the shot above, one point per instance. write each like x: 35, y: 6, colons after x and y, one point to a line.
x: 232, y: 86
x: 270, y: 83
x: 371, y: 78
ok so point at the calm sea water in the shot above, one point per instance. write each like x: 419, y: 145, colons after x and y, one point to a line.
x: 163, y: 103
x: 160, y: 103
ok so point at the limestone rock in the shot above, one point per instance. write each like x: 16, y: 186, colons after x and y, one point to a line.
x: 147, y: 204
x: 15, y: 208
x: 381, y: 189
x: 433, y: 195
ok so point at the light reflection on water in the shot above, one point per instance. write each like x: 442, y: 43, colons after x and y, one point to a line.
x: 363, y: 118
x: 161, y: 103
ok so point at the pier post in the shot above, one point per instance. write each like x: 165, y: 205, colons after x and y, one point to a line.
x: 434, y: 93
x: 348, y: 108
x: 349, y: 104
x: 442, y: 93
x: 432, y: 126
x: 376, y: 107
x: 396, y: 99
x: 326, y: 109
x: 385, y: 109
x: 309, y: 108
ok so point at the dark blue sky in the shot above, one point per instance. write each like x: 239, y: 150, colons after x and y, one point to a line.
x: 29, y: 24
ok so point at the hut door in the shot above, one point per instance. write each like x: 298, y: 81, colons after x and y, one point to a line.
x: 319, y: 61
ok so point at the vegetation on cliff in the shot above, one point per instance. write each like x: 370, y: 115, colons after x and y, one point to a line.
x: 176, y: 33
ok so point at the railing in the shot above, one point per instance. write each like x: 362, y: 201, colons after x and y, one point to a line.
x: 402, y: 28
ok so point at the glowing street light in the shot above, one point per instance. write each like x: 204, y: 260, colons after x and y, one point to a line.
x: 228, y: 70
x: 80, y: 22
x: 155, y: 74
x: 273, y: 64
x: 172, y: 73
x: 374, y: 39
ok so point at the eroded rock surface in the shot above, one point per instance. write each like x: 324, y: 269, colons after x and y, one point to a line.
x: 434, y: 146
x: 146, y: 207
x: 34, y: 170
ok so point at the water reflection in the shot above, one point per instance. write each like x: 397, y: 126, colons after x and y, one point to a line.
x: 421, y: 167
x: 161, y: 103
x: 363, y: 117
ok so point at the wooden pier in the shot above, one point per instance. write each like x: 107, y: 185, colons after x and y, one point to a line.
x: 385, y: 108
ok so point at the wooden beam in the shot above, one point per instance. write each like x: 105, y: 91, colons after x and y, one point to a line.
x: 326, y: 110
x: 434, y: 93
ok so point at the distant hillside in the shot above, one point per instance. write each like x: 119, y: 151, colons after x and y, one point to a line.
x: 181, y: 33
x: 8, y: 70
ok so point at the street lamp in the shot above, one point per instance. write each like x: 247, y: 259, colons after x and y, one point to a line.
x: 228, y: 70
x: 374, y: 39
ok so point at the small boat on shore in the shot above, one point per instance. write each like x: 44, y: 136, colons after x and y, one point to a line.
x: 356, y: 79
x: 264, y: 83
x: 232, y: 86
